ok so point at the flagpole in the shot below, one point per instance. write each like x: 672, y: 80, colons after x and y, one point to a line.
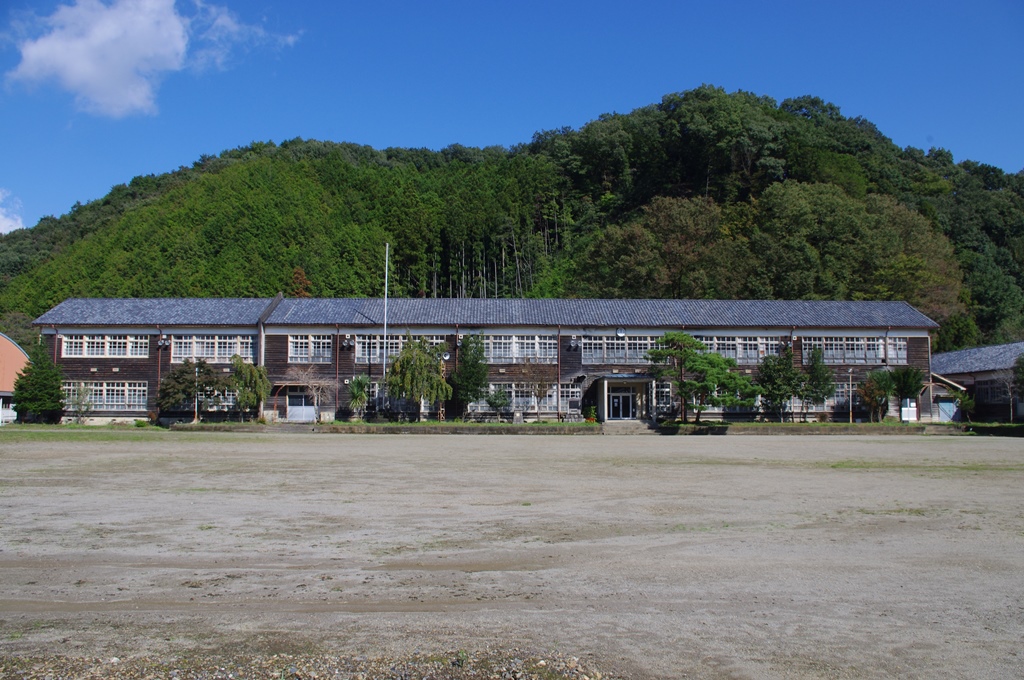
x: 384, y: 344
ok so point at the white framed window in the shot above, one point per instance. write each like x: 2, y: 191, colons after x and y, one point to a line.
x: 896, y: 349
x: 74, y: 346
x: 370, y: 348
x: 612, y: 349
x: 517, y: 349
x: 857, y: 349
x: 663, y: 397
x: 432, y: 340
x: 110, y: 396
x: 101, y: 346
x: 309, y: 349
x: 570, y: 393
x: 498, y: 349
x: 213, y: 349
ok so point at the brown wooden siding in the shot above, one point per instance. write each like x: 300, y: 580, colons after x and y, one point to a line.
x: 115, y: 369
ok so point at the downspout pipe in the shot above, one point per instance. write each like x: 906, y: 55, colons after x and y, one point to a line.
x: 337, y: 365
x: 558, y: 374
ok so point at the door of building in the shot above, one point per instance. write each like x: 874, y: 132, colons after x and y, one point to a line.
x: 301, y: 408
x: 622, y: 406
x: 947, y: 410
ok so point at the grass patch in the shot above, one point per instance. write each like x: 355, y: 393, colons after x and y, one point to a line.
x: 926, y: 467
x: 460, y: 423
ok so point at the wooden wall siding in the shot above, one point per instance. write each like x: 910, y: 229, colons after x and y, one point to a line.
x: 138, y: 369
x: 798, y: 352
x: 522, y: 373
x: 571, y: 359
x: 275, y: 358
x: 918, y: 354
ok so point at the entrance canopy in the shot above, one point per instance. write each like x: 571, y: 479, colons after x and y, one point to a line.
x: 624, y: 396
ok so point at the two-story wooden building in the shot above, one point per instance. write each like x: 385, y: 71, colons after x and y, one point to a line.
x: 553, y: 357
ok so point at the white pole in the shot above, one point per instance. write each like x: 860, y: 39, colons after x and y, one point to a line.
x: 384, y: 360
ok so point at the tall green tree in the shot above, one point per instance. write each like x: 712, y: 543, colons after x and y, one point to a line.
x: 907, y: 382
x: 875, y: 391
x: 817, y: 383
x: 251, y: 384
x: 470, y: 377
x: 702, y: 379
x: 192, y: 386
x: 777, y: 381
x: 417, y: 373
x: 38, y: 394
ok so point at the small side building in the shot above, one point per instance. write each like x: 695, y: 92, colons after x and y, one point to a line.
x: 987, y: 375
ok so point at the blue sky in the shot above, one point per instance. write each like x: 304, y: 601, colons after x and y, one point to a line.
x: 96, y: 92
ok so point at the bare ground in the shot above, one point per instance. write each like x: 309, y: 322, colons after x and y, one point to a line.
x: 647, y: 557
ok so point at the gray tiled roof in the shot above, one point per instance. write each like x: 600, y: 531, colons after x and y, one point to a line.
x: 600, y: 313
x: 470, y: 312
x: 155, y: 312
x: 977, y: 359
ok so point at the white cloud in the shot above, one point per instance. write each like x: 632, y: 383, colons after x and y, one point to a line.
x: 9, y: 217
x: 112, y: 56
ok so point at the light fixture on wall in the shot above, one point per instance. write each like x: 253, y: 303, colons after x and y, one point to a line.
x: 446, y: 356
x: 620, y: 332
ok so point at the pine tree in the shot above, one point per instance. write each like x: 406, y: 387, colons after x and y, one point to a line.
x: 37, y: 390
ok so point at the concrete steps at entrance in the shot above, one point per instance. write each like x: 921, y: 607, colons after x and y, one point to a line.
x: 627, y: 427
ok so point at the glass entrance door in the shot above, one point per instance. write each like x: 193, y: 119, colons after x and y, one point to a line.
x: 622, y: 406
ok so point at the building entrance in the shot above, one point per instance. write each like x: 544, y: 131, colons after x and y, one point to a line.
x: 621, y: 405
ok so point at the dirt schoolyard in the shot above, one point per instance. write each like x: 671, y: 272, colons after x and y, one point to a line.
x: 642, y: 557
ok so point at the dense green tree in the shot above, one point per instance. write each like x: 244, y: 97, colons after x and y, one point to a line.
x: 907, y: 382
x: 817, y: 383
x: 778, y: 380
x: 470, y: 380
x: 192, y: 386
x: 875, y: 391
x: 498, y: 401
x: 38, y: 394
x: 702, y: 379
x: 417, y: 373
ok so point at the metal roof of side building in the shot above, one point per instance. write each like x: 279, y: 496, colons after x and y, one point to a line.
x: 476, y: 312
x: 155, y: 312
x: 977, y: 359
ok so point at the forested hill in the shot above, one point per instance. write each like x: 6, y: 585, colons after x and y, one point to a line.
x: 705, y: 194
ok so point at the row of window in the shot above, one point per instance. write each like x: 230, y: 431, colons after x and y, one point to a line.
x: 746, y: 350
x: 612, y: 349
x: 370, y: 349
x: 213, y: 349
x: 857, y: 350
x: 105, y: 346
x: 106, y: 396
x: 498, y: 349
x: 209, y: 348
x: 533, y: 397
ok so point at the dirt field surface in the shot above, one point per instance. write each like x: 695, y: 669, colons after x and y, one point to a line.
x: 125, y: 554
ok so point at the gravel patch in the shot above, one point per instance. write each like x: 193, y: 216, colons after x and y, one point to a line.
x: 249, y: 555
